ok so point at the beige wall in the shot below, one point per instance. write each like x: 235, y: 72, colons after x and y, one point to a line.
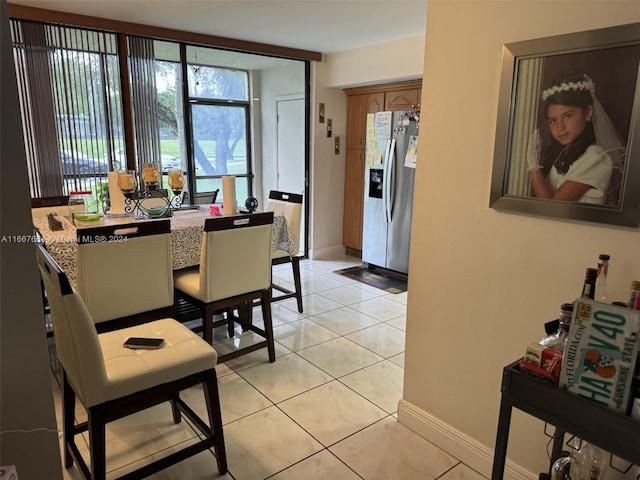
x: 382, y: 63
x: 327, y: 167
x: 482, y: 283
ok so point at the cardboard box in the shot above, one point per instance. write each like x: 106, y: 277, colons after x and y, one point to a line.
x: 533, y: 354
x: 600, y: 353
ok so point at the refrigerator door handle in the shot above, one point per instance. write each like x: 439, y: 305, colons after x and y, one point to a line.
x: 388, y: 179
x: 392, y: 178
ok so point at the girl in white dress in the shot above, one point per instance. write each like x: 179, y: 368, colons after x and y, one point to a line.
x: 575, y: 166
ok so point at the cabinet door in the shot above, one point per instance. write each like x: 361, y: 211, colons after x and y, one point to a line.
x: 356, y: 121
x: 374, y: 102
x: 402, y: 99
x: 353, y: 199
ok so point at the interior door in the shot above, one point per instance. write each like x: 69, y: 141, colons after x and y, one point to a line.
x: 291, y: 145
x: 291, y: 151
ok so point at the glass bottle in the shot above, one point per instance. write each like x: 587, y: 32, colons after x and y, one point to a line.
x: 589, y: 287
x: 602, y: 290
x: 635, y: 288
x: 588, y: 462
x: 562, y: 467
x: 557, y: 339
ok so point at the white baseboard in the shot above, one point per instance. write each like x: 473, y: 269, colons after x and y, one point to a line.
x: 466, y: 449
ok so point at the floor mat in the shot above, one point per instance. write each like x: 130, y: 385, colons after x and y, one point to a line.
x: 386, y: 280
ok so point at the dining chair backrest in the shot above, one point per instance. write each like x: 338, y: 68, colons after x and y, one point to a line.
x: 236, y: 255
x: 290, y: 206
x: 42, y: 206
x: 126, y: 269
x: 76, y: 338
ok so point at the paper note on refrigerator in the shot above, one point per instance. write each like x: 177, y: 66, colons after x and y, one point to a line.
x: 370, y: 120
x: 368, y: 159
x: 383, y: 125
x: 412, y: 152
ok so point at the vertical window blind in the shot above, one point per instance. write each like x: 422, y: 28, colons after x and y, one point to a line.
x: 70, y: 99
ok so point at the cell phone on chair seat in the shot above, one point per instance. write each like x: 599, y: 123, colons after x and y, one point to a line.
x: 145, y: 343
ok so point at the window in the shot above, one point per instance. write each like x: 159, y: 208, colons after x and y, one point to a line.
x: 211, y: 111
x: 219, y: 110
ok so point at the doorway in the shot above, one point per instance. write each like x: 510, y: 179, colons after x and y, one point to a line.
x: 290, y: 158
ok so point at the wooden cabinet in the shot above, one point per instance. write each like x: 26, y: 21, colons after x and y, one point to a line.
x: 356, y: 121
x: 353, y: 198
x: 364, y: 100
x: 402, y: 99
x: 374, y: 102
x: 358, y: 108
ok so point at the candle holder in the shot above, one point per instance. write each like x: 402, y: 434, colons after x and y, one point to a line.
x: 151, y: 175
x: 127, y: 181
x: 176, y: 180
x: 134, y: 199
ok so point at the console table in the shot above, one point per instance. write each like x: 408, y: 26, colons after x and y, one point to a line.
x: 569, y: 413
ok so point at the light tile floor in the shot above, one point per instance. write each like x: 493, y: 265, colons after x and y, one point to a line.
x: 326, y: 409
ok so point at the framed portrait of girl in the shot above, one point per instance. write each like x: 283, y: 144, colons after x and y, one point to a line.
x: 568, y: 133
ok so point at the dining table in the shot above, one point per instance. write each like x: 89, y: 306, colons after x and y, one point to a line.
x: 187, y: 227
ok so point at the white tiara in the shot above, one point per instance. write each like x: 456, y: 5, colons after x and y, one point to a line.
x: 586, y: 84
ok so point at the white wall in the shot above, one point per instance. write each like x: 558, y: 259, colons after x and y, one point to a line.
x: 482, y: 283
x: 383, y: 63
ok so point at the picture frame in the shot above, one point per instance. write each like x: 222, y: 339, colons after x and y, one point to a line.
x: 611, y: 58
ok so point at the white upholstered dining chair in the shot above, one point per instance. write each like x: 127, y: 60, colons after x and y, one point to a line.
x: 290, y: 206
x: 124, y: 272
x: 234, y: 270
x: 112, y: 382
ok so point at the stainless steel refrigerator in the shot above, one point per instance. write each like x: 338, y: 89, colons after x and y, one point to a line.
x: 388, y: 190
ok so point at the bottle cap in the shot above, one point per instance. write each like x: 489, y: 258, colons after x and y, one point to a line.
x: 604, y: 256
x: 635, y: 285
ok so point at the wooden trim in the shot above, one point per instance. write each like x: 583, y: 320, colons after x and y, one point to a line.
x: 385, y: 87
x: 117, y: 26
x: 125, y: 99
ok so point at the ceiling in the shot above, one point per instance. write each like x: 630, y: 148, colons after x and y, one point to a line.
x: 326, y: 26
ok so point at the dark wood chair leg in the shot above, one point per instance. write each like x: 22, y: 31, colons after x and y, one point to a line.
x: 265, y: 300
x: 207, y: 322
x: 68, y: 415
x: 177, y: 417
x: 212, y: 400
x: 97, y: 444
x: 295, y: 263
x: 231, y: 322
